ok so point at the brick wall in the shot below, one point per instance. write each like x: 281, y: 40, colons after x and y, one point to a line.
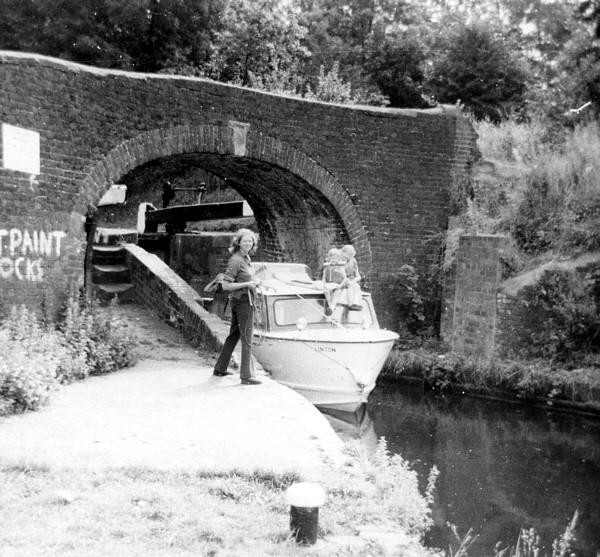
x: 314, y: 173
x: 469, y: 322
x: 166, y: 294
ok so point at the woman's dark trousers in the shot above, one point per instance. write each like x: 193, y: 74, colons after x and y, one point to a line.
x: 242, y: 319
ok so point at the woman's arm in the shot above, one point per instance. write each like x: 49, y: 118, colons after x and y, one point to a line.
x: 230, y: 286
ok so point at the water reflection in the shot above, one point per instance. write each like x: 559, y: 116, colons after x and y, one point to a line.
x: 502, y: 466
x: 351, y: 426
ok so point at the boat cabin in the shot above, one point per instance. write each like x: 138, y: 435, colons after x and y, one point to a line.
x: 292, y: 300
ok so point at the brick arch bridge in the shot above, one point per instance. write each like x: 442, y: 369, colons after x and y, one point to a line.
x: 314, y: 173
x: 300, y: 207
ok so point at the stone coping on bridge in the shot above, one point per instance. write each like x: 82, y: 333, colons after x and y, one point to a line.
x: 160, y: 289
x: 6, y: 55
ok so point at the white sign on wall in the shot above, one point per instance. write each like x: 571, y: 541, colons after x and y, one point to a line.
x: 20, y: 149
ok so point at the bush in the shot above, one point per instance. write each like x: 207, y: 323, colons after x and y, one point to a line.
x: 543, y: 189
x: 538, y: 219
x: 512, y: 141
x: 36, y: 358
x: 30, y: 359
x: 94, y: 339
x: 409, y: 303
x: 389, y: 474
x: 386, y: 492
x: 566, y: 316
x: 554, y: 204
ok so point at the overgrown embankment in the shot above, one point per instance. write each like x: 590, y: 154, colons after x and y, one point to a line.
x: 538, y: 381
x: 537, y: 184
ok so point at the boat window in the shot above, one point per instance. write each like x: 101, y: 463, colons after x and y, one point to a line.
x: 287, y: 312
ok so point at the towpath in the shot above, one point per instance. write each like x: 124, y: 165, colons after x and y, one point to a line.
x: 170, y: 412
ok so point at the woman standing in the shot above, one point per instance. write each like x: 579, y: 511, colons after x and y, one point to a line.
x: 239, y: 281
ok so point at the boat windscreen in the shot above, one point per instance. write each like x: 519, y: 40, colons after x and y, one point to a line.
x: 282, y: 271
x: 287, y: 311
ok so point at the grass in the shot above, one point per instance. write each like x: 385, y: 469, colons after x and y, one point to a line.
x: 137, y: 511
x: 143, y: 512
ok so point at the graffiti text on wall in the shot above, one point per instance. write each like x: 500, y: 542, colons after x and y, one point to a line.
x: 22, y: 252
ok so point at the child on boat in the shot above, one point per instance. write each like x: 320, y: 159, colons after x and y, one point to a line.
x: 334, y: 278
x: 353, y: 291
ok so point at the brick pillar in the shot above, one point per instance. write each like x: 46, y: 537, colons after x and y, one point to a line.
x: 473, y: 315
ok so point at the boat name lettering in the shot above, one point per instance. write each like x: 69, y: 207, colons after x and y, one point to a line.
x: 320, y: 348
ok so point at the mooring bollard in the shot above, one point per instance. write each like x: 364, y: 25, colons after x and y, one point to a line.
x: 305, y: 499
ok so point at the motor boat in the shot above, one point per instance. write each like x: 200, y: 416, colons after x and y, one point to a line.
x: 332, y: 360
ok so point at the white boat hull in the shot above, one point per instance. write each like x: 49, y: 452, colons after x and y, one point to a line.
x: 332, y: 369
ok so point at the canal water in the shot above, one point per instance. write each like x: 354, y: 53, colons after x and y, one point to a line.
x: 502, y: 466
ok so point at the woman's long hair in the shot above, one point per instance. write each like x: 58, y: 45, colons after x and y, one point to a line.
x: 237, y: 238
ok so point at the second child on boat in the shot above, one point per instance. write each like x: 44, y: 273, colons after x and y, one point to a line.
x: 334, y: 278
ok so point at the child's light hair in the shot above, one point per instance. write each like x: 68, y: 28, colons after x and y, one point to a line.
x: 349, y: 250
x: 333, y: 253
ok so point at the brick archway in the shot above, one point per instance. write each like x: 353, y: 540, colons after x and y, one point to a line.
x: 220, y: 148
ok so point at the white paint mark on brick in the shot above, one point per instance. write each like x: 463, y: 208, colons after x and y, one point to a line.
x: 239, y: 136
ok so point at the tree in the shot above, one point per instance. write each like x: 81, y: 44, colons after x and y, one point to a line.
x: 97, y: 32
x: 20, y: 25
x: 180, y: 35
x: 474, y: 67
x: 258, y: 38
x: 580, y: 60
x: 397, y: 68
x: 589, y: 11
x: 331, y: 87
x: 578, y: 71
x: 143, y: 35
x: 369, y: 42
